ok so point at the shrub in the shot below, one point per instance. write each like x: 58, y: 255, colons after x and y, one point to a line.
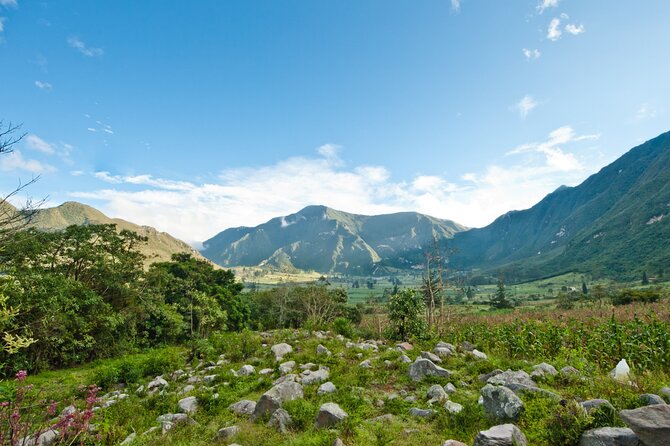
x: 343, y: 326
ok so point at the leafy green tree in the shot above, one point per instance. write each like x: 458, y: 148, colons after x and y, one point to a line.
x: 585, y: 289
x: 406, y: 310
x: 645, y: 279
x: 500, y: 299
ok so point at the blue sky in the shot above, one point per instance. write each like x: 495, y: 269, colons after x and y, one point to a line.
x: 196, y: 116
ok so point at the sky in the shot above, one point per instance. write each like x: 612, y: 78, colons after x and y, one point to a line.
x: 194, y: 117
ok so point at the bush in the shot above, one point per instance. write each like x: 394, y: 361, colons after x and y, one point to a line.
x: 406, y: 313
x: 627, y: 296
x: 343, y: 327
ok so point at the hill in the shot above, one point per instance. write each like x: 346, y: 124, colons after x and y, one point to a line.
x: 327, y: 240
x: 159, y: 247
x: 614, y: 223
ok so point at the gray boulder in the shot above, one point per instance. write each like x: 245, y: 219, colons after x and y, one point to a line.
x: 243, y: 408
x: 665, y: 393
x: 422, y: 413
x: 327, y: 387
x: 280, y: 420
x: 128, y: 440
x: 425, y: 367
x: 286, y: 367
x: 598, y: 403
x: 330, y: 414
x: 609, y: 436
x: 436, y: 394
x: 246, y: 370
x: 405, y: 359
x: 443, y: 352
x: 433, y: 357
x: 569, y: 372
x: 650, y: 423
x: 322, y: 350
x: 513, y: 379
x: 501, y: 403
x: 452, y: 407
x: 227, y: 433
x: 501, y: 435
x: 367, y: 364
x: 543, y: 370
x: 276, y: 396
x: 281, y: 350
x: 317, y: 376
x: 453, y: 443
x: 649, y: 399
x: 450, y: 388
x: 188, y: 404
x: 479, y: 355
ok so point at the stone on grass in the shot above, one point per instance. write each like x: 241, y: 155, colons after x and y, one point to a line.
x: 330, y: 414
x: 650, y: 423
x: 322, y: 350
x: 128, y: 440
x: 513, y: 379
x: 276, y: 396
x: 286, y: 367
x: 365, y: 364
x: 453, y: 443
x: 157, y: 384
x: 665, y: 393
x: 281, y: 350
x: 425, y: 367
x: 598, y: 403
x: 452, y: 407
x: 501, y: 403
x: 422, y: 413
x: 188, y: 404
x: 263, y: 372
x: 404, y: 346
x: 542, y: 370
x: 433, y: 357
x: 317, y: 376
x: 173, y: 418
x: 649, y: 399
x: 338, y: 442
x: 405, y: 359
x: 479, y: 355
x: 226, y: 433
x: 436, y: 394
x: 243, y: 408
x: 569, y: 372
x: 246, y: 370
x: 187, y: 388
x: 609, y: 436
x: 501, y: 435
x: 450, y: 388
x: 281, y: 420
x: 327, y: 387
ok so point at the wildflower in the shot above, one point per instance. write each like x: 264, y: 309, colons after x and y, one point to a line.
x: 21, y: 375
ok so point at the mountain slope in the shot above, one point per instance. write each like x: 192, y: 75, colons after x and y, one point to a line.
x: 326, y: 240
x: 615, y: 221
x: 159, y: 247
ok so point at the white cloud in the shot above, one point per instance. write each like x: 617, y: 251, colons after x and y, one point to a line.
x: 10, y: 162
x: 547, y: 4
x: 554, y: 30
x: 91, y: 129
x: 8, y: 3
x: 253, y: 195
x: 2, y: 23
x: 646, y: 111
x: 43, y: 85
x: 525, y: 105
x: 80, y: 46
x: 34, y: 142
x: 456, y: 5
x: 575, y: 30
x: 531, y: 54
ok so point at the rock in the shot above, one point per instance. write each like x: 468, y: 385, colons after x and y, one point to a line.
x: 422, y: 413
x: 276, y: 396
x: 264, y: 372
x: 173, y: 418
x: 485, y: 376
x: 281, y: 420
x: 649, y: 399
x: 453, y: 443
x: 501, y: 435
x: 442, y: 352
x: 46, y: 438
x: 243, y: 408
x: 404, y: 346
x: 188, y: 404
x: 365, y: 364
x: 479, y: 355
x: 543, y: 369
x: 140, y: 389
x: 150, y: 430
x: 314, y: 377
x: 431, y: 356
x: 308, y: 366
x: 209, y: 379
x: 569, y: 372
x: 665, y: 393
x: 330, y: 414
x: 450, y: 388
x: 227, y: 433
x: 386, y: 418
x: 514, y: 380
x: 650, y: 423
x: 609, y: 436
x: 246, y: 370
x: 501, y: 403
x: 367, y: 346
x: 322, y: 350
x: 281, y: 350
x: 425, y: 367
x: 128, y: 440
x: 621, y: 372
x: 598, y: 403
x: 187, y: 388
x: 405, y: 359
x: 452, y: 407
x: 327, y: 387
x: 286, y: 378
x: 436, y: 394
x: 286, y: 367
x: 157, y: 384
x: 69, y: 410
x: 338, y: 442
x: 466, y: 346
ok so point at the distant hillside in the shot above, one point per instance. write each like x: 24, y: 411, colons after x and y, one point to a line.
x: 615, y: 223
x: 159, y: 247
x: 326, y: 240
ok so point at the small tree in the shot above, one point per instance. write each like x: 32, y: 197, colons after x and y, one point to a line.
x: 406, y: 313
x: 645, y: 279
x: 500, y: 299
x: 585, y: 289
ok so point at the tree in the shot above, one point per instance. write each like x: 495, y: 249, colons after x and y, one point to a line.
x: 406, y: 313
x: 645, y: 279
x: 500, y: 299
x: 585, y: 289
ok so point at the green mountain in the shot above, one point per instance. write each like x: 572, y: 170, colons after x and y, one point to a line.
x: 159, y: 247
x: 326, y: 240
x: 615, y: 223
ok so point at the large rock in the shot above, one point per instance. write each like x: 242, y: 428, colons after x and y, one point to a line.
x: 246, y: 370
x: 433, y: 357
x: 425, y: 367
x: 286, y: 367
x: 280, y: 420
x: 501, y: 403
x: 157, y: 384
x: 243, y: 408
x: 453, y: 443
x: 322, y: 350
x: 598, y: 403
x: 276, y: 396
x: 543, y: 370
x: 330, y: 414
x: 317, y: 376
x: 422, y: 413
x: 515, y: 380
x: 281, y: 350
x: 436, y: 394
x: 227, y: 433
x: 609, y: 436
x: 650, y: 423
x: 188, y: 404
x: 649, y: 399
x: 452, y: 407
x: 501, y: 435
x: 327, y: 387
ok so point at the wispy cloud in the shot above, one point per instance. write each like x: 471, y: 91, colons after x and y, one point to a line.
x: 531, y: 54
x: 573, y: 29
x: 43, y: 85
x: 8, y: 3
x: 545, y: 4
x: 455, y: 5
x: 646, y: 111
x: 525, y: 105
x: 554, y: 30
x: 2, y: 23
x: 34, y: 142
x: 15, y: 161
x: 249, y: 196
x: 80, y: 46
